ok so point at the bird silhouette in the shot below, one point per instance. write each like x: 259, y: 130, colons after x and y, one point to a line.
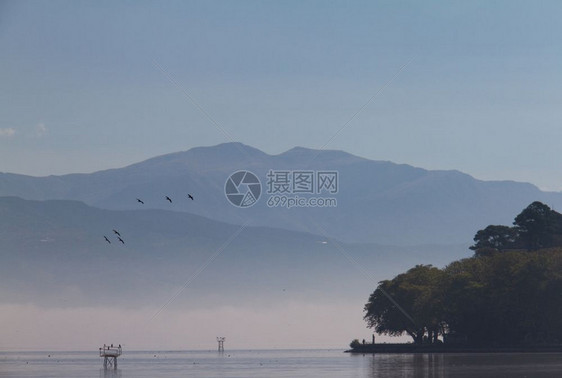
x: 169, y: 199
x: 121, y: 240
x: 116, y: 232
x: 190, y: 196
x: 106, y: 239
x: 140, y: 201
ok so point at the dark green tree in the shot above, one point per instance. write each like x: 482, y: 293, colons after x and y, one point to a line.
x: 495, y: 237
x: 506, y: 298
x: 465, y: 298
x: 536, y: 226
x: 410, y: 303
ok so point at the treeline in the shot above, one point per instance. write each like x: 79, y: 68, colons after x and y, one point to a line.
x: 509, y: 293
x: 536, y: 227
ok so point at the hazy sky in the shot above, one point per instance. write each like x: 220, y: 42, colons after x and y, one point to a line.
x: 468, y: 85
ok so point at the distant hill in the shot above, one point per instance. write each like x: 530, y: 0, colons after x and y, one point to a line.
x: 54, y: 253
x: 378, y: 202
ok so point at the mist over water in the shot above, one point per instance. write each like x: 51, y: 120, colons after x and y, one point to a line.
x: 294, y: 325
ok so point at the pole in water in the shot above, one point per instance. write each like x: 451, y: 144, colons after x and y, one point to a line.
x: 220, y: 340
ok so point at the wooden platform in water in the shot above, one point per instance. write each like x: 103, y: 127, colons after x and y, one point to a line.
x: 110, y: 352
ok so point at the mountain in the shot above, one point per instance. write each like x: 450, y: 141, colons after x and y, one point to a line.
x: 54, y: 253
x: 377, y: 201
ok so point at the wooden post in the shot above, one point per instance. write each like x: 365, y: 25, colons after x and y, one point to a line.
x: 221, y: 343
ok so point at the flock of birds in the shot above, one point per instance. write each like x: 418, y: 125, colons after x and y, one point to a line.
x: 141, y: 202
x: 118, y: 237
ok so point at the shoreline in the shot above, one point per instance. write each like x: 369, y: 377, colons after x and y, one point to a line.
x: 443, y: 348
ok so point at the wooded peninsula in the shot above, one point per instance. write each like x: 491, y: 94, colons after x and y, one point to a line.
x: 507, y: 295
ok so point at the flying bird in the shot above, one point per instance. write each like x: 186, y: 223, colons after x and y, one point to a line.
x: 106, y: 239
x: 140, y: 201
x: 121, y: 240
x: 169, y: 199
x: 116, y: 232
x: 190, y: 196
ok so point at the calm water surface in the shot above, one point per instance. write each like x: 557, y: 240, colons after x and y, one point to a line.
x: 279, y: 363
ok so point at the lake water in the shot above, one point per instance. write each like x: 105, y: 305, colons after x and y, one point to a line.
x: 279, y: 363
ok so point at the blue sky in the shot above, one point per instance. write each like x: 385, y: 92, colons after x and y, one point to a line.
x: 474, y: 86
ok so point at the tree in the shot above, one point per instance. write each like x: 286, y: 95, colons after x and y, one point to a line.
x: 536, y: 225
x: 495, y: 237
x: 506, y: 298
x: 409, y: 303
x: 464, y: 299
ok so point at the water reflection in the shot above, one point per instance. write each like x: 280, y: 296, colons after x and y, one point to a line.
x: 408, y: 365
x: 465, y: 365
x: 110, y: 373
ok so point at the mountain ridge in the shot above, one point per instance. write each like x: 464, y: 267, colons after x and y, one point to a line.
x: 377, y: 201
